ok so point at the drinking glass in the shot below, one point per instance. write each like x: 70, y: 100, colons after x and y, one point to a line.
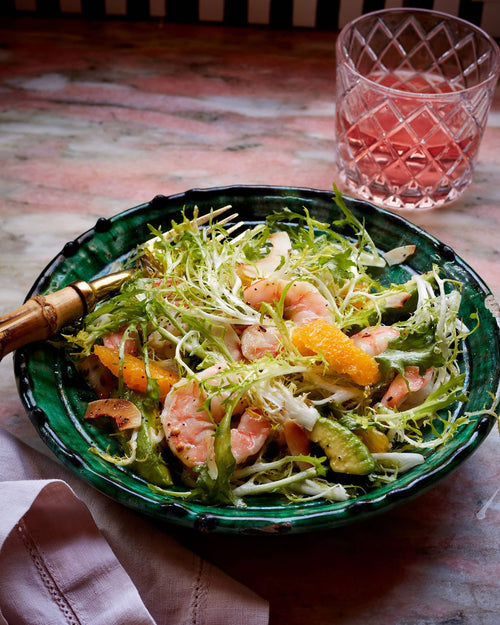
x: 414, y: 88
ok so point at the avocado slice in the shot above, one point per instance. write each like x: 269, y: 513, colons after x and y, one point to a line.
x: 345, y: 451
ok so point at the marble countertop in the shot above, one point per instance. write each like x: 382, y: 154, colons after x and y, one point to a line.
x: 97, y: 117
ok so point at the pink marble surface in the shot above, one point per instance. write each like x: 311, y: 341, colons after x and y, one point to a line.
x: 98, y: 117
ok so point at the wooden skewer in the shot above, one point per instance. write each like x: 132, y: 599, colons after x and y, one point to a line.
x: 43, y: 316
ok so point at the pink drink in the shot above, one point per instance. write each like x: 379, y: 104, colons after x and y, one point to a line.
x: 408, y: 150
x: 414, y: 88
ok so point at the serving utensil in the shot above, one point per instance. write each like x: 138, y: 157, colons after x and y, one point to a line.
x: 42, y: 316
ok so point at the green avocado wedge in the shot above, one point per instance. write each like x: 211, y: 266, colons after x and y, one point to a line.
x: 345, y: 451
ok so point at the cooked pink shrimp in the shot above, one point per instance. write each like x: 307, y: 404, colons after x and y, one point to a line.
x: 401, y: 387
x: 189, y: 427
x: 303, y: 302
x: 375, y: 339
x: 231, y: 340
x: 114, y: 339
x: 249, y: 437
x: 297, y: 441
x: 214, y: 377
x: 280, y: 247
x: 257, y: 341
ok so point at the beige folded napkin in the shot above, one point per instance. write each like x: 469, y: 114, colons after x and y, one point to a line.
x: 71, y: 556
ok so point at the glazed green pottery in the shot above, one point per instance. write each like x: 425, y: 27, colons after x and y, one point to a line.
x: 56, y: 397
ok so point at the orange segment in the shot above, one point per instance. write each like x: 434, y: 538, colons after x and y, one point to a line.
x: 340, y: 352
x: 134, y: 370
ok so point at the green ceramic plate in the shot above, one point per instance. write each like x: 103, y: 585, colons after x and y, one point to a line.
x: 55, y: 397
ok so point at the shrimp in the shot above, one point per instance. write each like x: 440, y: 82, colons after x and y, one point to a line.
x: 114, y: 339
x: 401, y: 387
x: 375, y: 339
x: 231, y: 340
x: 280, y: 248
x: 189, y: 427
x: 259, y: 340
x: 249, y: 437
x: 297, y: 441
x: 302, y: 303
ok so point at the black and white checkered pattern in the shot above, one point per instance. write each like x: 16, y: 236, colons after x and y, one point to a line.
x: 322, y: 14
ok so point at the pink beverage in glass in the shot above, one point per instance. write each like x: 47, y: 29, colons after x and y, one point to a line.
x: 414, y: 91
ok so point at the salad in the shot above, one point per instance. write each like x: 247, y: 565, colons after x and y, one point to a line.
x: 272, y: 359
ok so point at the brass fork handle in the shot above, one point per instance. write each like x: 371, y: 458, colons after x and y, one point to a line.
x: 39, y: 318
x: 42, y: 316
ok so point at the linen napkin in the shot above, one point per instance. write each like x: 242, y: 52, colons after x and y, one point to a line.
x: 71, y: 556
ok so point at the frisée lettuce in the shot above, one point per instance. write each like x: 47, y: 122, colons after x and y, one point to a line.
x: 273, y: 359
